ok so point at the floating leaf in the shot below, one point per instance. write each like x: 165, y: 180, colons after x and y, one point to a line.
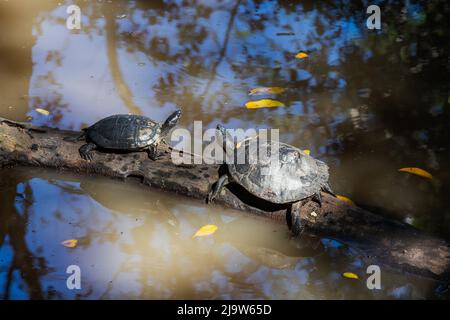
x: 205, y: 230
x: 263, y: 103
x: 350, y: 275
x: 307, y: 151
x: 301, y: 55
x: 342, y: 198
x: 418, y: 172
x: 42, y: 111
x: 266, y: 90
x: 71, y: 243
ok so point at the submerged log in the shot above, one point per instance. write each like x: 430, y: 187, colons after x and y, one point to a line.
x: 378, y: 240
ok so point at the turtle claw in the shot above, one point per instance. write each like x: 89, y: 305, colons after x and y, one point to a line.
x: 87, y: 156
x: 154, y: 157
x: 210, y: 197
x: 216, y: 188
x: 86, y: 151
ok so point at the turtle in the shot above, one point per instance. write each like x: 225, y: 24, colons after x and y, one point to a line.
x: 125, y: 132
x: 295, y: 178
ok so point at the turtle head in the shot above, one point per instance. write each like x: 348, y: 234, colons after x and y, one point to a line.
x: 225, y: 139
x: 171, y: 122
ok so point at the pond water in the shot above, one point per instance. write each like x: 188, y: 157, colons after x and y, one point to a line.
x: 367, y: 102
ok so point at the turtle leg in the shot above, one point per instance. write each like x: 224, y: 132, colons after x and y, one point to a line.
x: 216, y: 188
x: 317, y: 197
x: 296, y: 223
x: 86, y: 151
x: 153, y: 152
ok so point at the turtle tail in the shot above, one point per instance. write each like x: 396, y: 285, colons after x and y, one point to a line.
x: 327, y: 188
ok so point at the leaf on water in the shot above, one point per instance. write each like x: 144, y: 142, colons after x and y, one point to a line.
x: 71, y: 243
x: 307, y: 151
x: 342, y: 198
x: 418, y: 172
x: 301, y: 55
x: 264, y: 103
x: 206, y: 230
x: 42, y: 111
x: 350, y: 275
x: 267, y: 90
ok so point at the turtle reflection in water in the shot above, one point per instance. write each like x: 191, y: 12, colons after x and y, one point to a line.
x: 125, y: 132
x: 295, y: 177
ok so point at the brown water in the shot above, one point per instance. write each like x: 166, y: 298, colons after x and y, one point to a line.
x: 366, y: 102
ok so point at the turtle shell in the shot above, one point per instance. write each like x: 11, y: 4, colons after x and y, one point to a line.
x: 124, y: 132
x: 294, y: 177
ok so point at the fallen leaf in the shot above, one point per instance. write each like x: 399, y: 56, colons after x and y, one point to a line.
x: 266, y: 90
x: 205, y: 230
x: 263, y: 103
x: 350, y: 275
x: 71, y: 243
x: 306, y: 151
x: 418, y: 172
x: 42, y: 111
x: 342, y: 198
x: 301, y: 55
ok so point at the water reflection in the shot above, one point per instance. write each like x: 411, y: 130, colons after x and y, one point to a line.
x: 140, y: 245
x: 366, y: 102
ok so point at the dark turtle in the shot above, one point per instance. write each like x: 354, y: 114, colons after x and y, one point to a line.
x: 297, y: 176
x: 123, y: 132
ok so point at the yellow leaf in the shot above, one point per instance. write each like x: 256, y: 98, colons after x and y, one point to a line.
x: 301, y: 55
x: 267, y: 90
x: 417, y: 171
x: 205, y: 230
x: 71, y: 243
x: 350, y: 275
x: 263, y: 103
x: 306, y: 151
x: 342, y: 198
x: 42, y: 111
x: 448, y: 100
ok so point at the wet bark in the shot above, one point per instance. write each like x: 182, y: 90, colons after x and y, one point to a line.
x: 377, y: 240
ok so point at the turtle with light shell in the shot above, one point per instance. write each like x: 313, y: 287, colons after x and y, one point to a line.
x: 296, y: 177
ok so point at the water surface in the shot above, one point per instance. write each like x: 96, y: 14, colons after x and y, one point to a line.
x: 366, y: 102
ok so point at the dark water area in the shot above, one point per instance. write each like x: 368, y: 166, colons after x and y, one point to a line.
x: 367, y: 102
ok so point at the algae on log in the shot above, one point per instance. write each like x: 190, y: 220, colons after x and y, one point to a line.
x: 378, y: 240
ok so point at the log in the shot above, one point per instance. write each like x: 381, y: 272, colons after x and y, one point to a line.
x: 379, y: 240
